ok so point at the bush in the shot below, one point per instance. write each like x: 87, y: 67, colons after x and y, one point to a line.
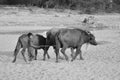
x: 88, y: 6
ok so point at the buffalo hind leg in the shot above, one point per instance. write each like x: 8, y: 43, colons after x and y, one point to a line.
x: 56, y: 49
x: 15, y: 55
x: 63, y: 52
x: 46, y: 53
x: 16, y: 51
x: 57, y: 54
x: 46, y: 49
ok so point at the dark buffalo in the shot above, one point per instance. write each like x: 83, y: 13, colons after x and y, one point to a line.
x: 22, y: 43
x: 51, y: 38
x: 73, y: 38
x: 38, y: 42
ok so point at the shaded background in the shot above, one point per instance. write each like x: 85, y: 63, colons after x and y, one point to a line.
x: 86, y: 6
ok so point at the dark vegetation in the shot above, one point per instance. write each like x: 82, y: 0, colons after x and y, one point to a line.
x: 86, y: 6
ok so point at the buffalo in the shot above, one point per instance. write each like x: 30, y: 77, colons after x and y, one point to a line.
x: 72, y: 38
x: 37, y: 41
x: 30, y: 41
x: 22, y: 43
x: 51, y: 38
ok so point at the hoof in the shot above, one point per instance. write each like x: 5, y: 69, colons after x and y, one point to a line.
x: 48, y: 57
x: 81, y: 58
x: 61, y: 58
x: 13, y: 61
x: 72, y: 55
x: 67, y: 59
x: 28, y: 62
x: 72, y: 60
x: 43, y: 59
x: 56, y: 61
x: 35, y: 59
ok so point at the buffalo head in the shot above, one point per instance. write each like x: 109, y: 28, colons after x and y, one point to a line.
x: 91, y: 40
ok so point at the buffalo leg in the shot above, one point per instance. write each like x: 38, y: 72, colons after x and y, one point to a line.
x: 81, y: 58
x: 23, y: 54
x: 56, y: 51
x: 57, y: 47
x: 15, y: 54
x: 57, y: 54
x: 30, y: 53
x: 36, y: 54
x: 46, y: 53
x: 16, y: 51
x: 72, y: 52
x: 76, y: 54
x: 63, y: 52
x: 46, y: 49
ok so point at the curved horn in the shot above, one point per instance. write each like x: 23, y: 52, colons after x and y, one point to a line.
x: 88, y: 32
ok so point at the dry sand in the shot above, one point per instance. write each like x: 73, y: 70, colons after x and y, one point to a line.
x: 100, y: 62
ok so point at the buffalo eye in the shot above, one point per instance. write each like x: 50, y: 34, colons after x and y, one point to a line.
x: 92, y: 37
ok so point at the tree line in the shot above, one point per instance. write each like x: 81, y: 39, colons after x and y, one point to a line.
x: 87, y: 6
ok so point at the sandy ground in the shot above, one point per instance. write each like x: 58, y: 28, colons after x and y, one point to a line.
x: 100, y: 62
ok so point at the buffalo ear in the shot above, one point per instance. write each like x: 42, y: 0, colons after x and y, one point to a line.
x: 31, y: 36
x: 90, y: 38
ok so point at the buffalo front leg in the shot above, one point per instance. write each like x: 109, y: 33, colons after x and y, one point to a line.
x: 36, y: 54
x: 30, y: 53
x: 76, y: 54
x: 23, y: 54
x: 57, y: 47
x: 81, y: 58
x: 72, y: 52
